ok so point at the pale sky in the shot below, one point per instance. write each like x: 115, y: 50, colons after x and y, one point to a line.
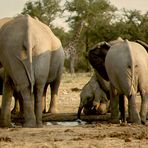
x: 10, y: 8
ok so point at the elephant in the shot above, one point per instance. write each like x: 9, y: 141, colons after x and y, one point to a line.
x: 33, y: 58
x: 96, y: 57
x: 93, y: 100
x: 126, y: 64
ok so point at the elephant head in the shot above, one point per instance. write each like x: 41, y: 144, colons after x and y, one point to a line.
x: 97, y: 54
x: 96, y: 57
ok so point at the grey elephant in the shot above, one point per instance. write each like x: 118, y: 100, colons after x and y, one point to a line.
x: 93, y: 100
x: 33, y: 58
x: 96, y: 57
x: 126, y: 64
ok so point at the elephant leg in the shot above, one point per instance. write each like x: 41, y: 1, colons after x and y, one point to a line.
x: 114, y: 104
x: 122, y: 107
x: 38, y: 104
x: 44, y: 99
x: 54, y: 86
x: 5, y: 118
x: 28, y: 104
x: 79, y: 112
x: 134, y: 116
x: 144, y: 108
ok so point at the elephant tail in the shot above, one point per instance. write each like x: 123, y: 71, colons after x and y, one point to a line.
x: 30, y: 70
x: 131, y: 67
x: 28, y: 47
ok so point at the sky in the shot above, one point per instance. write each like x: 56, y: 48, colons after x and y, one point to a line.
x: 9, y: 8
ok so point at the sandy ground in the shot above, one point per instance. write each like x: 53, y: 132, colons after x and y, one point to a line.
x: 70, y: 135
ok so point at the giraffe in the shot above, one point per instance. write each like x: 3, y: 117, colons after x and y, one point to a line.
x: 70, y: 49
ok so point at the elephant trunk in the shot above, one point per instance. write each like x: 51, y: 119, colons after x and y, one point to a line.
x: 79, y: 112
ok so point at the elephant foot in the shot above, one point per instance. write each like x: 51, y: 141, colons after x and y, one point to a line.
x: 39, y: 125
x: 130, y: 120
x: 5, y: 124
x: 114, y: 121
x: 144, y: 119
x: 144, y: 122
x: 30, y: 124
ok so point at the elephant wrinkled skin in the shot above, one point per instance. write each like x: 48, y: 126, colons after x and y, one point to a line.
x: 32, y: 57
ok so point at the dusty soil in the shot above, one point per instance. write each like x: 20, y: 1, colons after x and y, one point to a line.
x: 94, y: 135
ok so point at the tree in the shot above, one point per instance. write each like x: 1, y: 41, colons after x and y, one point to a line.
x: 97, y: 15
x: 45, y: 10
x: 132, y: 25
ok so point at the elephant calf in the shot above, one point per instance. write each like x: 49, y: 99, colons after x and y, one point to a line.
x: 93, y: 100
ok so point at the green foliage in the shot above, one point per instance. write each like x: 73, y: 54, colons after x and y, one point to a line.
x: 132, y: 25
x: 44, y: 10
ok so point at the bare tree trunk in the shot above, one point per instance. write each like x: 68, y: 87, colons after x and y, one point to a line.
x: 64, y: 117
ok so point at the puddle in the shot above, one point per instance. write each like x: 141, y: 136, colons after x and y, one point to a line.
x: 62, y: 123
x: 67, y: 123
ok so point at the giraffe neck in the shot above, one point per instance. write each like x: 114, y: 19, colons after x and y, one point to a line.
x: 70, y: 49
x: 78, y: 33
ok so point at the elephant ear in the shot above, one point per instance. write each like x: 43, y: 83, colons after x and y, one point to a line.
x: 143, y: 44
x: 96, y: 57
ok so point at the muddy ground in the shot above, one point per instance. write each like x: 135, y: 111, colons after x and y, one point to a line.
x: 71, y: 135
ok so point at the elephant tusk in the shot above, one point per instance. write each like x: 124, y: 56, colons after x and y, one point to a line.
x: 97, y: 106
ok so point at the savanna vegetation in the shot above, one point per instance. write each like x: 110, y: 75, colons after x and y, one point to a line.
x: 103, y: 21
